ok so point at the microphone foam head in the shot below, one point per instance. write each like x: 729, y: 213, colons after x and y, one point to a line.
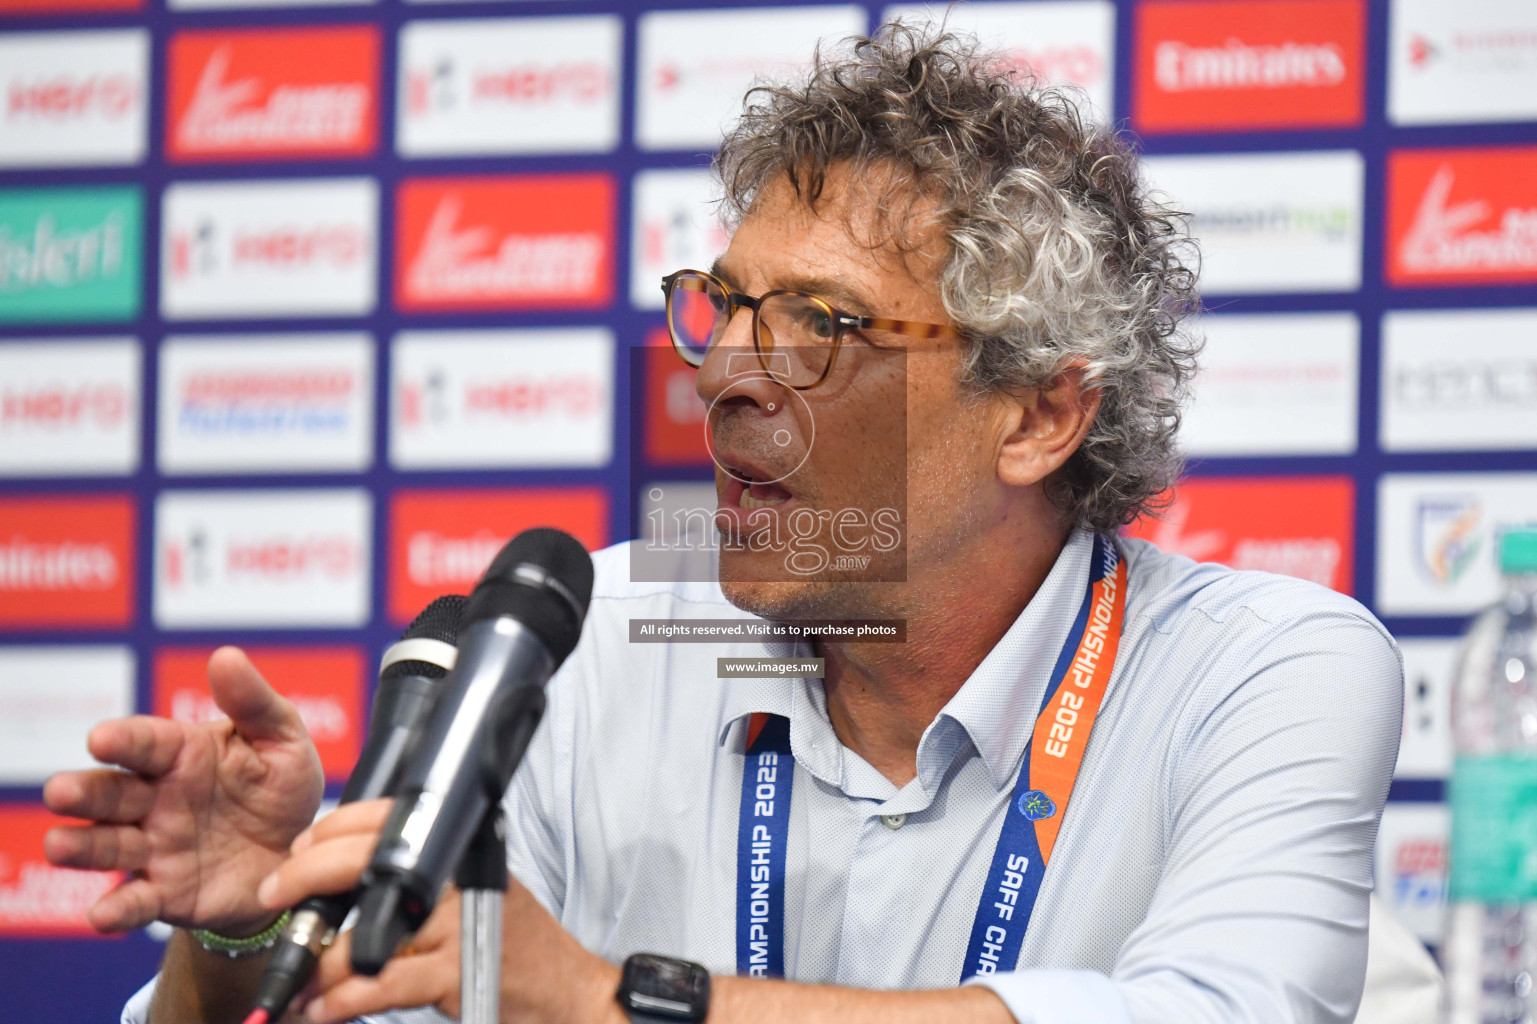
x: 438, y: 621
x: 543, y: 578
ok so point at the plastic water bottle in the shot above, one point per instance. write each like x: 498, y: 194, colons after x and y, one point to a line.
x: 1490, y: 953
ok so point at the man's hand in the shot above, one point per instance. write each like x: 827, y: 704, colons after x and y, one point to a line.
x: 200, y: 815
x: 546, y: 975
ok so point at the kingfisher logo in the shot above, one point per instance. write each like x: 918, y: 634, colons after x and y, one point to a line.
x: 505, y: 243
x: 266, y: 403
x: 1293, y: 526
x: 442, y: 541
x: 324, y: 683
x: 509, y: 85
x: 66, y: 561
x: 36, y: 898
x: 502, y: 398
x: 73, y: 98
x: 1462, y: 216
x: 69, y: 254
x: 283, y: 248
x: 273, y: 93
x: 262, y: 558
x: 69, y: 406
x: 1233, y: 64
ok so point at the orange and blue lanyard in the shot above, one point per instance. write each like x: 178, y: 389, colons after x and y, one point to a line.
x: 1037, y: 805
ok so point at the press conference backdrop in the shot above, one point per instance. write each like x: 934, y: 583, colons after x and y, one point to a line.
x: 305, y: 306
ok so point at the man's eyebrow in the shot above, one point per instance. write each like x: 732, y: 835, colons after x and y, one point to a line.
x: 835, y: 292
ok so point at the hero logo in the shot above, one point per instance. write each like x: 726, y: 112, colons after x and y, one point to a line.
x: 1222, y: 64
x: 1298, y: 527
x: 69, y: 406
x: 287, y: 248
x: 73, y: 97
x: 502, y: 398
x: 66, y: 561
x: 505, y: 242
x: 1462, y: 216
x: 509, y: 85
x: 273, y: 93
x: 271, y: 558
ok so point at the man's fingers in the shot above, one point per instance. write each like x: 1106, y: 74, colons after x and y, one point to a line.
x: 101, y: 794
x: 143, y: 743
x: 252, y: 705
x: 322, y: 869
x: 97, y: 847
x: 362, y: 816
x: 405, y: 982
x: 133, y: 904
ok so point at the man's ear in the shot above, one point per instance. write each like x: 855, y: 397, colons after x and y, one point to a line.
x: 1045, y: 427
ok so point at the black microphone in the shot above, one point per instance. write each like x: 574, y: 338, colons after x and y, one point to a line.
x: 520, y: 623
x: 410, y: 680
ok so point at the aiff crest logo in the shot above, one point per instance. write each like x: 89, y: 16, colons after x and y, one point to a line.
x: 1036, y: 805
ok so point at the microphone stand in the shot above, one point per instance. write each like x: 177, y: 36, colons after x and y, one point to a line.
x: 482, y: 871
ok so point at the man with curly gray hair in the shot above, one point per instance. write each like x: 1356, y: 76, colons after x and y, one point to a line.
x: 1097, y: 784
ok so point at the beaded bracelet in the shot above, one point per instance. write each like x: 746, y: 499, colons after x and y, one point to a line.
x: 235, y: 948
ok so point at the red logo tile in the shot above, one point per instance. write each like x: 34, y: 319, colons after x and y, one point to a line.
x: 441, y: 541
x: 1295, y: 526
x: 1462, y: 216
x: 1214, y: 65
x: 505, y: 242
x: 36, y: 898
x: 325, y: 683
x: 675, y: 414
x: 273, y: 93
x: 66, y: 561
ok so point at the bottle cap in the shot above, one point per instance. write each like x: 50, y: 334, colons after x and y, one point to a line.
x: 1518, y: 550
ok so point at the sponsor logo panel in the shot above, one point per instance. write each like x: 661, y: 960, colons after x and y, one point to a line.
x: 61, y: 6
x: 1411, y: 864
x: 1274, y: 222
x: 1451, y: 63
x: 69, y: 407
x: 501, y: 398
x: 275, y: 558
x: 66, y: 561
x: 73, y: 98
x: 273, y: 93
x: 266, y: 403
x: 1295, y: 526
x: 1062, y: 42
x: 442, y: 541
x: 1275, y: 384
x: 38, y: 900
x: 509, y: 85
x: 675, y: 414
x: 70, y: 253
x: 52, y: 697
x: 693, y: 67
x: 1462, y: 216
x: 1438, y: 538
x: 505, y: 242
x: 208, y: 5
x: 1234, y: 64
x: 269, y: 249
x: 1456, y: 380
x: 1425, y: 752
x: 677, y: 225
x: 324, y: 683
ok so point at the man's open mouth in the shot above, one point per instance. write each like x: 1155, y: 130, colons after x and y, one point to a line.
x: 749, y: 486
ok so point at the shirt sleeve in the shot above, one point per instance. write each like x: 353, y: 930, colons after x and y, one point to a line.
x: 1260, y: 914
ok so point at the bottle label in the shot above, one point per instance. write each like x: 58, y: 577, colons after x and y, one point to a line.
x: 1494, y: 828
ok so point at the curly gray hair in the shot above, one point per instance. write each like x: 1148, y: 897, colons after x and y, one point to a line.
x: 1057, y: 254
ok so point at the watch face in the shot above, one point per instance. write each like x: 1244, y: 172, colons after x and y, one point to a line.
x: 666, y: 987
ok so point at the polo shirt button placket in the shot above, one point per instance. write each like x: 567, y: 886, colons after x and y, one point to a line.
x: 893, y: 821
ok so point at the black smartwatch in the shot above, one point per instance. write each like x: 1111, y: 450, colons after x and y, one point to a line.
x: 662, y: 989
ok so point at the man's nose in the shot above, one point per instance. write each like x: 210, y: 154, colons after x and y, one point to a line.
x: 732, y: 375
